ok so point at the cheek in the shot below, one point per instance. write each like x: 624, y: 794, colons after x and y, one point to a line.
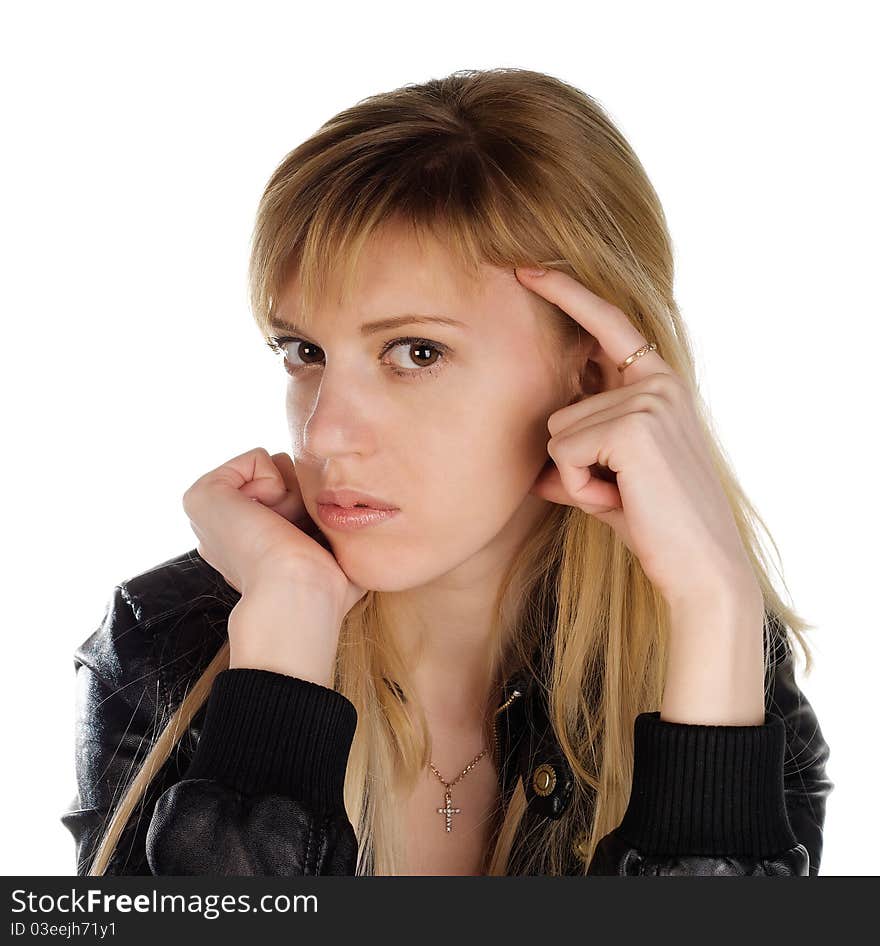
x: 478, y: 472
x: 504, y: 448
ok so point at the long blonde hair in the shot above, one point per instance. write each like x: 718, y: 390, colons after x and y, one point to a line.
x: 507, y: 167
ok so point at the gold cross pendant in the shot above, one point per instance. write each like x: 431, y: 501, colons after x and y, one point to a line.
x: 448, y: 810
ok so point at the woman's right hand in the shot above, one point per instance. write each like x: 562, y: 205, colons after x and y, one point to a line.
x: 253, y: 528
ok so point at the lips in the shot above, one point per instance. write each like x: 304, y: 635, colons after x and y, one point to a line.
x: 349, y: 498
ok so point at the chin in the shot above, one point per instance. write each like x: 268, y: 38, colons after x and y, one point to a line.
x: 387, y: 569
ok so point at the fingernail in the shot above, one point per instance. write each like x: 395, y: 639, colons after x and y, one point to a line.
x: 532, y: 270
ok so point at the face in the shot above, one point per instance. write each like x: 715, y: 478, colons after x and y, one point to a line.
x: 451, y: 427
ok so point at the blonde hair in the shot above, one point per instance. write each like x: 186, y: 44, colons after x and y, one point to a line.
x: 507, y: 167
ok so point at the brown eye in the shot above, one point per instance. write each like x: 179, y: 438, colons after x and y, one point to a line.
x: 297, y: 352
x: 304, y: 350
x: 422, y: 354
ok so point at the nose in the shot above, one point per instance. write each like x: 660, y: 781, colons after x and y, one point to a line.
x: 337, y: 423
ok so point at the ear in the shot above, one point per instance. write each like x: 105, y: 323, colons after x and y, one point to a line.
x: 592, y: 370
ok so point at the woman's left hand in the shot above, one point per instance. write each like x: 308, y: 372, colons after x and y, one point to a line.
x: 667, y: 505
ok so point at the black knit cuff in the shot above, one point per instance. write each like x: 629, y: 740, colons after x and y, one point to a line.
x: 269, y: 732
x: 708, y: 790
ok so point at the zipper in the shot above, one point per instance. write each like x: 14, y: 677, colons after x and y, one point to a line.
x: 501, y: 709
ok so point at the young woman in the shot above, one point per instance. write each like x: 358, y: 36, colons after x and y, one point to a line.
x: 549, y: 643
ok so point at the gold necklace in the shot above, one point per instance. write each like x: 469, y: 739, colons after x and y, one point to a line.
x: 447, y: 808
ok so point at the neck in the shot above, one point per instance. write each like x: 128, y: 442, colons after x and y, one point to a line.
x: 445, y: 630
x: 452, y: 671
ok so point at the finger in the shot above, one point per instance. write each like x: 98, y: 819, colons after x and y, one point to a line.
x: 610, y: 325
x: 575, y: 453
x: 250, y: 475
x: 636, y: 396
x: 252, y: 471
x: 286, y: 468
x: 291, y: 506
x: 595, y: 494
x: 217, y: 508
x: 604, y: 503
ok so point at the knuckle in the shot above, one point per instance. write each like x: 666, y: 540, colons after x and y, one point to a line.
x: 559, y: 444
x: 666, y: 385
x: 561, y: 418
x: 646, y: 401
x: 673, y: 386
x: 191, y: 495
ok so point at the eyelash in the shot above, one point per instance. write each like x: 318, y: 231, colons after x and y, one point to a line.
x: 277, y: 343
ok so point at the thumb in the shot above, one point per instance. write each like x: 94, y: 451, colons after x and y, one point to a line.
x: 548, y: 485
x: 597, y: 497
x: 272, y: 483
x: 291, y: 505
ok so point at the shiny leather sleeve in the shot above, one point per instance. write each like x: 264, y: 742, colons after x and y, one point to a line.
x: 254, y: 787
x: 116, y: 690
x: 726, y: 800
x: 264, y: 792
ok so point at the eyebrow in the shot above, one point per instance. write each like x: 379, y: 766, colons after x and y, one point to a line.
x: 371, y: 328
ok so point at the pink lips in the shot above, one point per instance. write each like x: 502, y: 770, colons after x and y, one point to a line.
x: 349, y: 497
x: 350, y: 519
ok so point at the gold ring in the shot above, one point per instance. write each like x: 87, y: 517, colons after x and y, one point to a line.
x: 651, y: 346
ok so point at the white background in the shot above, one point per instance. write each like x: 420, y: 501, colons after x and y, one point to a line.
x: 138, y: 138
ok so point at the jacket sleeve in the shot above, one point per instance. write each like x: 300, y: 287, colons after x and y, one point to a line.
x: 115, y: 715
x: 261, y: 792
x: 725, y: 800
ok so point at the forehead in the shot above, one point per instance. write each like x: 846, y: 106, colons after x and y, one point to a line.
x: 397, y: 274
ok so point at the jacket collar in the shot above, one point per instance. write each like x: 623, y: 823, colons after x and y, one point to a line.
x: 528, y: 748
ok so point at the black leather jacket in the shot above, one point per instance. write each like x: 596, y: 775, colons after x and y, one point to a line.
x: 211, y: 814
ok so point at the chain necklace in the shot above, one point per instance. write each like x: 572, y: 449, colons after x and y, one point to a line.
x: 447, y: 808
